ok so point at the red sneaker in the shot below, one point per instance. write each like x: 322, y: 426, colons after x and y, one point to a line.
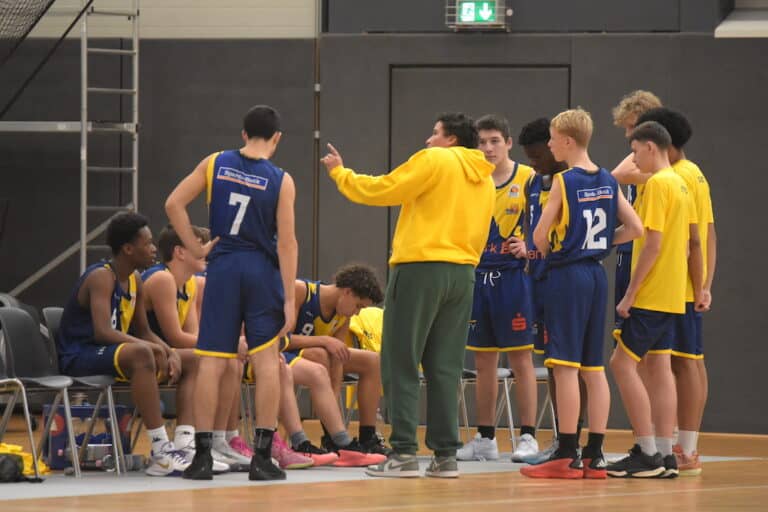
x: 355, y: 459
x: 595, y: 468
x: 555, y: 468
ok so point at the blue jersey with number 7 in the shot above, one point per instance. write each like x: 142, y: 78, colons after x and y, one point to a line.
x: 588, y: 218
x: 242, y: 198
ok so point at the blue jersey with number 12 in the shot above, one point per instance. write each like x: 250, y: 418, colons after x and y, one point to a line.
x: 242, y: 198
x: 588, y: 219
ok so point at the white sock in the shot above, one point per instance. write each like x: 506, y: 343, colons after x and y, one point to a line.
x: 219, y: 438
x: 647, y: 444
x: 664, y: 444
x: 232, y: 434
x: 676, y: 436
x: 184, y: 436
x: 158, y: 437
x: 689, y: 440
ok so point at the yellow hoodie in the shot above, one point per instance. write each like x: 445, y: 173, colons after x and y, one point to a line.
x: 447, y: 198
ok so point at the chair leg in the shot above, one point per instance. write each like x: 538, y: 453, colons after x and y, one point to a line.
x: 28, y: 420
x: 114, y: 428
x: 71, y: 434
x: 464, y: 413
x: 47, y: 427
x: 8, y: 412
x: 91, y: 426
x: 510, y: 419
x: 541, y: 413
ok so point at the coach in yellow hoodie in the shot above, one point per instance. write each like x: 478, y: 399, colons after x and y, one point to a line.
x: 447, y: 198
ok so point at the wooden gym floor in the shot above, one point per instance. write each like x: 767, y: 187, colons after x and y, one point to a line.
x: 728, y: 484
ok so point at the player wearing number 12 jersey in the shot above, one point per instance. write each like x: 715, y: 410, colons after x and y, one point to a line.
x: 251, y: 270
x: 576, y: 231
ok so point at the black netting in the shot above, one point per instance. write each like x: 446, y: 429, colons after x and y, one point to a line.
x: 17, y: 19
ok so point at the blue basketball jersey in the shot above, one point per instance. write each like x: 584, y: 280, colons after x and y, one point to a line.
x: 242, y: 199
x: 626, y: 247
x: 538, y: 193
x: 185, y: 299
x: 310, y: 321
x: 76, y: 326
x: 588, y: 217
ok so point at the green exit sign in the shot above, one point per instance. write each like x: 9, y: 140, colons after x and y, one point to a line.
x: 476, y: 12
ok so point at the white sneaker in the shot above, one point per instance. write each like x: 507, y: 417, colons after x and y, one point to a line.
x: 479, y: 448
x: 542, y: 456
x: 527, y: 447
x: 167, y: 462
x: 218, y: 467
x: 224, y: 454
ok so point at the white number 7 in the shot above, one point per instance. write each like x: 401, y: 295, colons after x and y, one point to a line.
x: 241, y: 201
x: 596, y: 223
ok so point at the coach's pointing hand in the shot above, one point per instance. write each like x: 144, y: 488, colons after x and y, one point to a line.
x: 332, y: 159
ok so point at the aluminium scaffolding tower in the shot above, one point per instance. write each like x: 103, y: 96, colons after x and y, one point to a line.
x: 87, y: 127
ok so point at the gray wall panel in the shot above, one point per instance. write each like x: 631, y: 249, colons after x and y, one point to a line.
x: 360, y: 16
x: 703, y: 15
x: 718, y: 84
x: 193, y: 95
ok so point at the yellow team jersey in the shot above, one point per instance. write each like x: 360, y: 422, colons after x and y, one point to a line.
x: 365, y: 329
x: 186, y: 299
x: 509, y: 211
x: 508, y: 219
x: 665, y: 206
x: 698, y: 187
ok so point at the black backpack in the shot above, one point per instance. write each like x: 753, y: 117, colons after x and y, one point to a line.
x: 11, y: 468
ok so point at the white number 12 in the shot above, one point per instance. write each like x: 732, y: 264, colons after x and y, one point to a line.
x: 596, y: 223
x: 241, y: 201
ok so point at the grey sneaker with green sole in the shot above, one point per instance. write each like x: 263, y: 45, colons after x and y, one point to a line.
x: 396, y: 466
x: 443, y: 467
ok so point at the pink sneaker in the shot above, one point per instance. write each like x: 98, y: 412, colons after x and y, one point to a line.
x: 287, y: 458
x: 238, y: 444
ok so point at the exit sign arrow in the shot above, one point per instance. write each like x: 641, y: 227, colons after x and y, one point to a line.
x: 485, y: 12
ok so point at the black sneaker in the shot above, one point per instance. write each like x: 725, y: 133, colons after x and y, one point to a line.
x: 307, y: 448
x: 264, y: 469
x: 637, y: 465
x: 376, y: 445
x: 201, y: 467
x: 670, y: 467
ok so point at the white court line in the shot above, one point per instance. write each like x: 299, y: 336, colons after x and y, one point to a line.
x: 518, y: 500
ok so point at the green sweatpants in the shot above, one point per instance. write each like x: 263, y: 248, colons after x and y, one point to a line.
x: 426, y: 320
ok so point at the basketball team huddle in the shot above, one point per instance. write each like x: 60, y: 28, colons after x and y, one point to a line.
x: 224, y: 305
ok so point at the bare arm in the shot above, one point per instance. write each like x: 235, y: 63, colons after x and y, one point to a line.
x: 98, y: 288
x: 287, y: 249
x: 176, y: 208
x: 647, y: 259
x: 711, y: 257
x: 627, y: 172
x: 548, y: 216
x: 696, y: 266
x: 631, y: 225
x: 161, y: 288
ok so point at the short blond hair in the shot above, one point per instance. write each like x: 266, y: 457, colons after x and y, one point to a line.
x: 635, y: 103
x: 575, y: 123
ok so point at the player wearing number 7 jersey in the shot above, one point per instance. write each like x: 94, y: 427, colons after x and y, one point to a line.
x: 250, y: 278
x: 576, y: 231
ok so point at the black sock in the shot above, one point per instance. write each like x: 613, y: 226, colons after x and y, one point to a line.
x: 567, y: 447
x: 594, y: 446
x: 579, y: 426
x: 203, y: 442
x: 262, y: 441
x: 486, y: 431
x: 527, y: 429
x: 366, y: 433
